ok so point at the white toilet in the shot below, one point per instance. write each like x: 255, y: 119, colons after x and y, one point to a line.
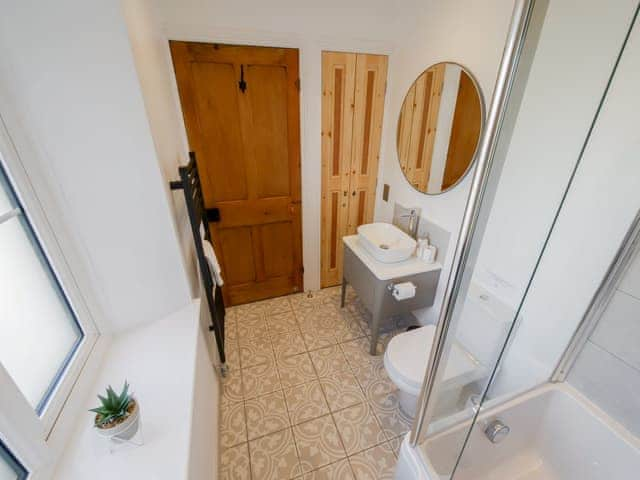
x: 406, y: 361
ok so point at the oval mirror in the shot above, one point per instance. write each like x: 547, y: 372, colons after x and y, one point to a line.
x: 439, y: 127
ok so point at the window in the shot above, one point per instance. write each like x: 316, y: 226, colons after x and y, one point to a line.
x: 10, y: 468
x: 39, y: 332
x: 46, y: 329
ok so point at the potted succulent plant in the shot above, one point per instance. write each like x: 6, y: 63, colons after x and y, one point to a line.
x: 118, y: 414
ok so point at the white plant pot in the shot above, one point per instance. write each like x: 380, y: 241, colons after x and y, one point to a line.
x: 125, y: 430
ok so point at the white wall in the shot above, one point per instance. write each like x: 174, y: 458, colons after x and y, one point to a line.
x: 72, y: 102
x: 608, y: 368
x: 447, y: 108
x: 155, y: 72
x: 462, y: 31
x: 358, y: 25
x: 564, y: 88
x: 601, y: 204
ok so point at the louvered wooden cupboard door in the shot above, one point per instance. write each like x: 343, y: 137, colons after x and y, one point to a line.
x: 241, y: 110
x: 353, y: 89
x: 371, y: 80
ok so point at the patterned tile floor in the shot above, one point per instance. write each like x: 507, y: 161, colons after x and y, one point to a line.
x: 303, y: 398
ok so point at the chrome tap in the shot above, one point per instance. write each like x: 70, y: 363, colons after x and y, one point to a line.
x: 413, y: 222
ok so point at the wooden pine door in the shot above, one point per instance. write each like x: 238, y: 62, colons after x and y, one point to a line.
x: 353, y: 90
x: 242, y: 114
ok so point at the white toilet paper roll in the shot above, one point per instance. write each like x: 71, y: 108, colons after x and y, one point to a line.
x: 402, y: 291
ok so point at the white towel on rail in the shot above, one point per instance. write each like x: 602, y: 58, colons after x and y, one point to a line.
x: 212, y: 260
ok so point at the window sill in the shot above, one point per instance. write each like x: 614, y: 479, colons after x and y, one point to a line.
x: 162, y: 362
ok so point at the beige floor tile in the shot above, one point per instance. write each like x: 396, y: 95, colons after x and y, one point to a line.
x: 232, y: 353
x: 275, y: 305
x: 305, y: 402
x: 347, y: 330
x: 303, y: 304
x: 315, y: 338
x: 253, y: 330
x: 288, y: 344
x: 233, y: 425
x: 341, y: 470
x: 230, y: 329
x: 234, y: 463
x: 357, y: 352
x: 277, y: 330
x: 358, y: 428
x: 232, y: 386
x: 248, y: 313
x: 342, y: 390
x: 328, y: 361
x: 274, y: 457
x: 318, y: 443
x: 273, y: 384
x: 387, y: 410
x: 296, y: 369
x: 373, y: 379
x: 260, y: 379
x: 283, y: 318
x: 395, y: 445
x: 377, y: 463
x: 321, y: 317
x: 266, y: 414
x: 255, y: 352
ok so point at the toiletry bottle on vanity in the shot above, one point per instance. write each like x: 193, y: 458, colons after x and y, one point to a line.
x: 421, y: 247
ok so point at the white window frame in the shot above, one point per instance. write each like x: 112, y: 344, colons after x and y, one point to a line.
x: 22, y: 429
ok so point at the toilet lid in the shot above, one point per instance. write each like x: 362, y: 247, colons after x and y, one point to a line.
x: 408, y: 355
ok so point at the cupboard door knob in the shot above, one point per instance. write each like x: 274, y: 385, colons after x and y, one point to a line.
x: 353, y: 194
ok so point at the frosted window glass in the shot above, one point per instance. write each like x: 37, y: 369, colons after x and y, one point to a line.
x: 10, y: 469
x: 38, y: 330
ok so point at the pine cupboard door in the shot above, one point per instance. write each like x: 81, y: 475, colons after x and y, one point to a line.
x: 338, y: 90
x: 242, y: 114
x: 353, y: 89
x: 370, y: 87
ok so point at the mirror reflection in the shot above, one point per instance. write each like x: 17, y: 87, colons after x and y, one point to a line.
x: 439, y: 127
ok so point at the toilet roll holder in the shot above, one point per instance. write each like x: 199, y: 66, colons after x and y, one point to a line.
x: 392, y: 286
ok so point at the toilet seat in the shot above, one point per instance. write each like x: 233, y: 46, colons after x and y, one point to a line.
x: 407, y: 356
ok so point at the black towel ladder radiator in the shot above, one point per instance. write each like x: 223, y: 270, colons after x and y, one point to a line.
x: 199, y: 216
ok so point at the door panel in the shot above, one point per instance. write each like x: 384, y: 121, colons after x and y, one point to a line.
x: 338, y: 90
x: 370, y: 86
x: 268, y: 106
x: 216, y: 111
x: 353, y: 89
x: 247, y: 144
x: 237, y: 251
x: 277, y: 240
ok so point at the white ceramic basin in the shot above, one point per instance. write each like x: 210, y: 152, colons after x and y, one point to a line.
x: 386, y: 242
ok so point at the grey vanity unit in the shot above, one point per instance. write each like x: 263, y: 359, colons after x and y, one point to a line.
x: 371, y: 280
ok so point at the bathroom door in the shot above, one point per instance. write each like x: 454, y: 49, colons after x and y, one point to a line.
x: 353, y: 89
x: 242, y: 114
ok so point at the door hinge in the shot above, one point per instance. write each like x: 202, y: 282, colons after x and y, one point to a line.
x: 298, y: 84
